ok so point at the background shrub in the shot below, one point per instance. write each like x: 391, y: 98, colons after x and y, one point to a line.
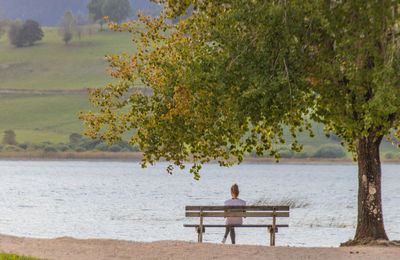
x: 9, y: 137
x: 62, y: 147
x: 390, y: 155
x: 102, y: 147
x: 330, y: 151
x: 23, y: 146
x: 88, y: 144
x: 11, y: 148
x: 79, y: 149
x: 50, y: 149
x: 115, y: 148
x: 301, y: 155
x: 36, y: 146
x: 286, y: 153
x: 25, y: 34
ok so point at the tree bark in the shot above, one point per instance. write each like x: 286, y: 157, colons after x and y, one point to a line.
x: 370, y: 218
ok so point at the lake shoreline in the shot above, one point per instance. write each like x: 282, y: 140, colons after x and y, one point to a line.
x: 137, y: 156
x: 71, y: 248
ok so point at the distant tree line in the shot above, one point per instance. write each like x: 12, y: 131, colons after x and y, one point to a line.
x: 48, y: 12
x: 77, y: 143
x: 26, y: 34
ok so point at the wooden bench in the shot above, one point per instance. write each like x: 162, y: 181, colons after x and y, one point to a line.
x: 202, y: 212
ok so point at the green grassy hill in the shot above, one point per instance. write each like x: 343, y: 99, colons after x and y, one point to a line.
x: 40, y: 118
x: 27, y: 74
x: 50, y: 64
x: 43, y: 87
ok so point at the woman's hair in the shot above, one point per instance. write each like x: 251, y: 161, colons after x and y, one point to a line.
x: 235, y: 189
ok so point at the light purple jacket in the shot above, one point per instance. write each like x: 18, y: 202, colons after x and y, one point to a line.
x: 234, y: 202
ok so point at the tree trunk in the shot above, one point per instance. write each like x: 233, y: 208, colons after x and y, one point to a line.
x: 370, y: 218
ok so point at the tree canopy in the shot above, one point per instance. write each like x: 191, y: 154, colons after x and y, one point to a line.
x: 229, y: 78
x: 67, y: 25
x: 116, y: 10
x: 48, y: 12
x: 95, y: 10
x: 9, y: 138
x: 32, y: 31
x: 25, y: 34
x: 4, y: 22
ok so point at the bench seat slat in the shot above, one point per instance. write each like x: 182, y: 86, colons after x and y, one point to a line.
x: 237, y: 214
x: 250, y: 208
x: 246, y: 225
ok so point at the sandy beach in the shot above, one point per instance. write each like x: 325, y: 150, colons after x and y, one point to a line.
x: 70, y: 248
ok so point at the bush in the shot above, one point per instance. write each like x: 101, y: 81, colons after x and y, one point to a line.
x: 25, y: 34
x: 115, y: 148
x: 330, y: 151
x: 125, y: 146
x: 15, y: 34
x: 9, y: 137
x: 23, y: 146
x: 134, y: 148
x: 50, y: 149
x: 67, y: 24
x: 4, y: 23
x: 31, y: 32
x: 75, y: 138
x: 79, y: 149
x: 12, y: 148
x: 88, y: 144
x: 389, y: 155
x: 286, y: 153
x: 301, y: 155
x: 103, y: 147
x: 35, y: 146
x: 62, y: 147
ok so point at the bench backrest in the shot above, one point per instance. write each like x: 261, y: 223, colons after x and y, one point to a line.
x: 237, y: 211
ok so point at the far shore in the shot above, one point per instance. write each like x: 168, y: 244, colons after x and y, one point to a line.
x: 137, y: 156
x: 66, y: 248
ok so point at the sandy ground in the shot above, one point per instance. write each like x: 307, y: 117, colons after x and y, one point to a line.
x: 70, y: 248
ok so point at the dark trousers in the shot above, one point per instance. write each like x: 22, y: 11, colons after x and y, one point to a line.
x: 232, y: 231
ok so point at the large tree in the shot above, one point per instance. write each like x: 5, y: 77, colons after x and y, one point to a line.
x: 95, y: 9
x: 117, y: 10
x: 9, y: 138
x: 4, y: 22
x: 25, y: 34
x: 14, y: 33
x: 32, y: 32
x: 66, y: 26
x: 228, y: 79
x: 80, y: 25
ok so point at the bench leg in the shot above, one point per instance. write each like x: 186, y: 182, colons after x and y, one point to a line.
x: 200, y: 231
x: 199, y: 236
x: 272, y: 232
x: 272, y: 238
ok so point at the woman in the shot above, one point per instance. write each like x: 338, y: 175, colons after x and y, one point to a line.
x: 235, y: 201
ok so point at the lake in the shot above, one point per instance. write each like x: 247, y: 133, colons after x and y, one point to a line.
x: 120, y: 200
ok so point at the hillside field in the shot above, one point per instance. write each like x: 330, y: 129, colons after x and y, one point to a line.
x: 51, y: 65
x: 28, y: 75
